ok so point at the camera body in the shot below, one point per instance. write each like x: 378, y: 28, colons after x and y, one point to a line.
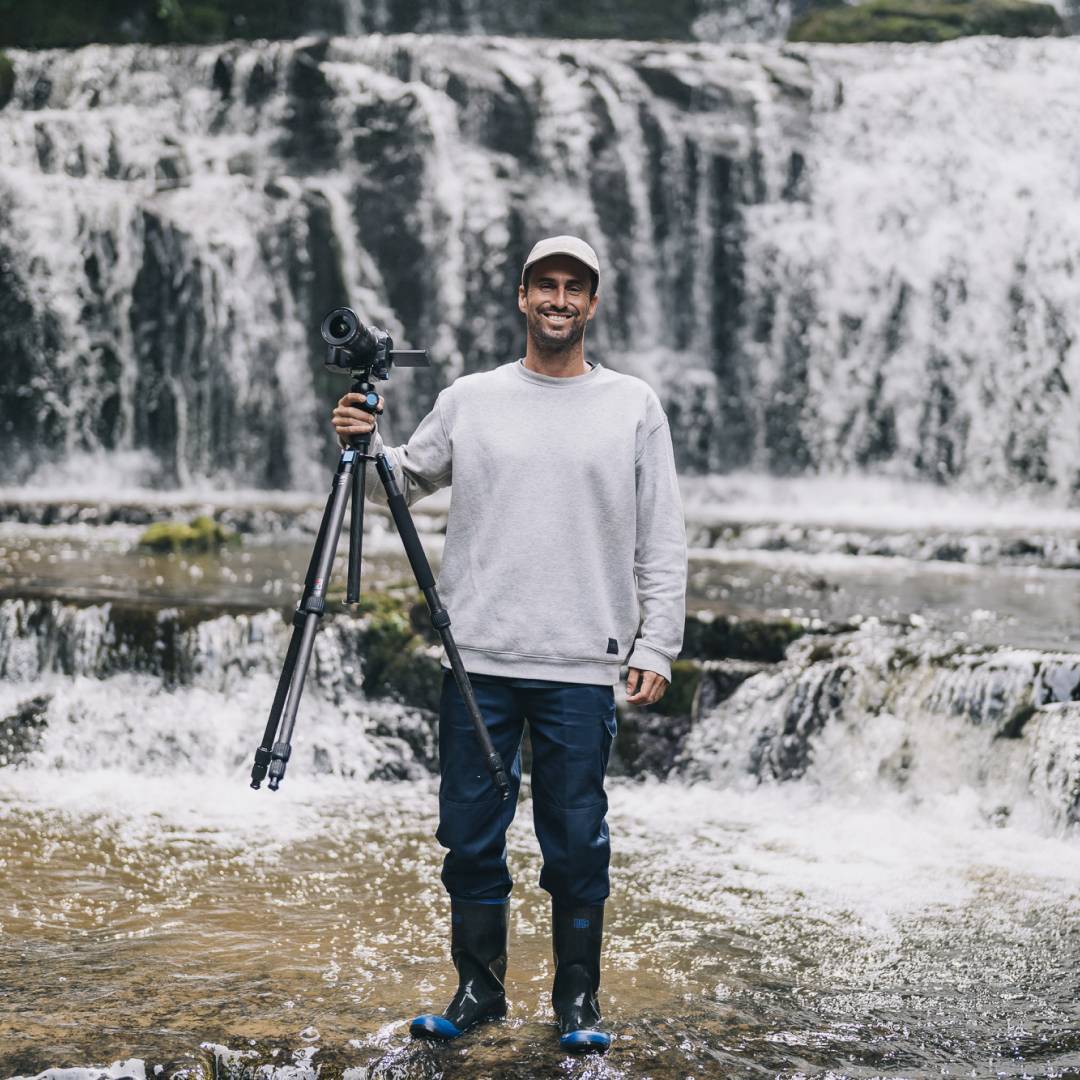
x: 364, y: 352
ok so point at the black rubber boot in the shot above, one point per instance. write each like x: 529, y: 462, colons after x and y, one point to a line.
x: 578, y: 934
x: 478, y: 949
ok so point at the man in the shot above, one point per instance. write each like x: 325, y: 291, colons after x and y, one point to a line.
x: 565, y: 528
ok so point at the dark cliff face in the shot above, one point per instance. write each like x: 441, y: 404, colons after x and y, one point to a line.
x: 778, y: 258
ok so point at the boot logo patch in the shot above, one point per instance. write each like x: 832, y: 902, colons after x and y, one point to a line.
x: 581, y: 924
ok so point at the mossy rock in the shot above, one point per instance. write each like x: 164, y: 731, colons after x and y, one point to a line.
x: 7, y: 79
x: 397, y: 662
x: 925, y: 20
x: 202, y: 533
x: 729, y: 637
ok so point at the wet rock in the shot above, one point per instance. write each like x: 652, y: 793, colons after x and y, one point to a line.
x: 719, y: 679
x: 1054, y: 761
x: 185, y: 1067
x: 718, y: 637
x: 992, y: 691
x: 20, y: 730
x: 172, y: 169
x: 418, y: 732
x: 7, y: 79
x: 648, y: 742
x: 223, y: 74
x: 817, y: 700
x: 651, y: 740
x: 311, y: 133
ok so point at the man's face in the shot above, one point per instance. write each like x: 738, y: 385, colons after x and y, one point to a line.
x: 557, y: 306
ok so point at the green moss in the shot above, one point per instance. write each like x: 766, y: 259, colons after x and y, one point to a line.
x: 7, y: 79
x: 202, y: 533
x: 396, y: 660
x: 926, y: 20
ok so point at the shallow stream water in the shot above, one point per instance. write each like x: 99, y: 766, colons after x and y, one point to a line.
x: 902, y: 906
x: 763, y: 933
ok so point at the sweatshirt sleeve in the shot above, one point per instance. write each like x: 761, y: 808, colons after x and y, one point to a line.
x: 659, y: 556
x: 422, y: 464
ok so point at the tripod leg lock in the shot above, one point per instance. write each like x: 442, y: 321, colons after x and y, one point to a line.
x: 498, y: 774
x: 310, y: 605
x: 258, y: 770
x: 440, y: 619
x: 280, y: 755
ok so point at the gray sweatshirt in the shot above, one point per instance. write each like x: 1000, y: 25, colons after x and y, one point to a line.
x: 565, y: 551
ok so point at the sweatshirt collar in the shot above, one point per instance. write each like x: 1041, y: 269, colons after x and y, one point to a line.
x: 562, y: 382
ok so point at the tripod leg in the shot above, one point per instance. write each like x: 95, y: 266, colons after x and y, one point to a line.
x: 264, y: 755
x: 273, y: 753
x: 440, y: 618
x: 356, y: 525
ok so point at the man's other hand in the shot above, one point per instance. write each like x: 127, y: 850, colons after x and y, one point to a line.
x: 644, y: 687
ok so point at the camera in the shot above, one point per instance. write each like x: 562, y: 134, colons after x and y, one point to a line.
x: 363, y: 351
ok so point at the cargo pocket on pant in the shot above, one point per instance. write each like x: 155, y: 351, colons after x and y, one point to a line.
x: 610, y: 721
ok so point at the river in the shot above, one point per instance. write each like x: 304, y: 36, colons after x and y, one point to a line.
x: 859, y: 862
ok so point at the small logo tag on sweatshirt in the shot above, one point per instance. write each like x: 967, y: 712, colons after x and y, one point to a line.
x: 612, y: 646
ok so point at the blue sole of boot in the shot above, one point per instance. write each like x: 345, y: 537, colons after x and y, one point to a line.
x: 431, y: 1026
x: 585, y: 1042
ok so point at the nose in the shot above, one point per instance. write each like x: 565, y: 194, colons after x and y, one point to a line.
x: 561, y: 297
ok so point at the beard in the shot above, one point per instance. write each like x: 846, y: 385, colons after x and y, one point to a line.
x: 548, y: 340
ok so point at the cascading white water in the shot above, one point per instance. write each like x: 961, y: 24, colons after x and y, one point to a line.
x: 905, y: 712
x: 824, y: 259
x: 881, y: 708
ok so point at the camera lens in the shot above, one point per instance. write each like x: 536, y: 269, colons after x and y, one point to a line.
x: 340, y: 327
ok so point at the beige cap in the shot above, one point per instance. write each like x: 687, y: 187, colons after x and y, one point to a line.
x: 573, y: 246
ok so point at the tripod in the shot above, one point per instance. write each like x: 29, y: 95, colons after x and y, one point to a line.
x: 369, y: 354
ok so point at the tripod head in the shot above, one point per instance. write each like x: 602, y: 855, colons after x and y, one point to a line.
x: 364, y: 352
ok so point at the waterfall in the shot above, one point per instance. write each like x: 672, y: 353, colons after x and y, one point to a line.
x: 825, y: 259
x: 881, y: 709
x: 141, y: 689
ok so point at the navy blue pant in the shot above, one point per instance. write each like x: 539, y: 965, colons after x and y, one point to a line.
x: 571, y: 727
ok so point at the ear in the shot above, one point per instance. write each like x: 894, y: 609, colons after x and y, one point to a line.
x: 522, y: 307
x: 593, y: 301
